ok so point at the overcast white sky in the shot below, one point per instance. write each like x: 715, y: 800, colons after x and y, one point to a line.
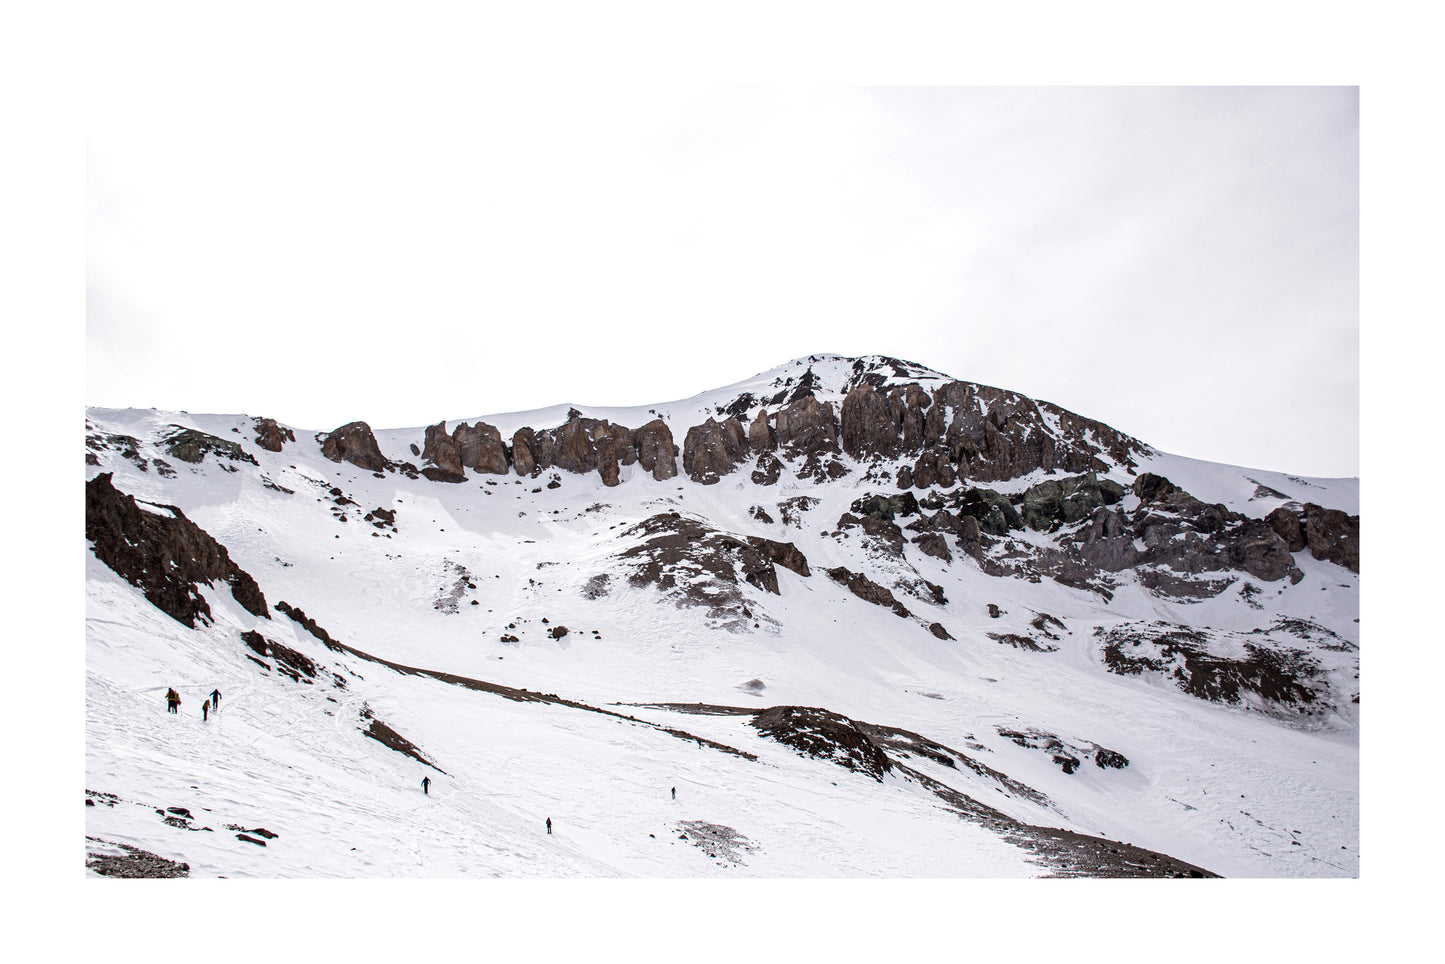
x: 377, y: 231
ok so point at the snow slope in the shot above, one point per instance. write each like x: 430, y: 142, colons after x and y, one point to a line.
x: 1229, y: 789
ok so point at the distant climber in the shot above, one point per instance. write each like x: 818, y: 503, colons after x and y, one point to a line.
x: 205, y: 710
x: 215, y: 699
x: 549, y: 824
x: 425, y: 782
x: 173, y: 700
x: 674, y: 793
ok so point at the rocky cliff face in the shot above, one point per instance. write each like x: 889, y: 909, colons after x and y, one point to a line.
x: 163, y: 553
x: 354, y: 443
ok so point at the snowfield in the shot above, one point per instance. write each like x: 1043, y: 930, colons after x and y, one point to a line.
x: 470, y: 583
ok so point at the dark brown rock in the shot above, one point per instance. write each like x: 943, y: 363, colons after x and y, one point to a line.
x: 934, y: 544
x: 807, y: 426
x: 1289, y: 525
x: 441, y: 455
x: 607, y: 465
x: 870, y: 426
x: 784, y: 554
x: 768, y: 471
x: 481, y: 448
x: 933, y: 468
x: 713, y: 449
x: 164, y: 554
x: 867, y: 590
x: 1333, y: 536
x: 524, y: 452
x: 993, y: 435
x: 1257, y: 549
x: 271, y: 436
x: 354, y: 443
x: 760, y: 434
x: 656, y: 451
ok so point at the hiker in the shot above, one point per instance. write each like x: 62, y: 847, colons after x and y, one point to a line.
x: 674, y: 793
x: 549, y: 824
x: 215, y: 699
x: 173, y: 700
x: 425, y: 782
x: 205, y: 709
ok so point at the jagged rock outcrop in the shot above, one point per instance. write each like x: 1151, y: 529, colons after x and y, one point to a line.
x: 482, y: 448
x: 1289, y: 526
x: 1330, y: 534
x: 932, y: 469
x: 441, y: 455
x: 354, y: 443
x: 769, y: 469
x: 192, y: 445
x: 885, y: 507
x: 271, y: 436
x: 760, y: 434
x: 713, y: 449
x: 826, y: 735
x: 784, y: 554
x: 987, y: 434
x: 869, y: 425
x: 807, y: 427
x: 868, y: 590
x: 607, y: 465
x: 934, y: 544
x: 525, y: 457
x: 578, y: 445
x: 876, y: 423
x: 1333, y: 536
x: 163, y: 553
x: 1057, y: 502
x: 656, y: 451
x: 995, y: 514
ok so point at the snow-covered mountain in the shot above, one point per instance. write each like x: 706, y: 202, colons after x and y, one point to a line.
x: 864, y: 620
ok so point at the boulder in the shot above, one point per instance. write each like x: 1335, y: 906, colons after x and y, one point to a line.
x: 441, y: 455
x: 524, y: 452
x: 1289, y: 526
x: 934, y: 544
x: 933, y: 468
x: 713, y: 449
x: 1333, y: 536
x: 784, y: 554
x: 607, y: 465
x: 271, y: 436
x: 482, y: 448
x: 1153, y: 488
x: 656, y: 451
x: 760, y: 434
x: 868, y: 590
x: 354, y: 443
x: 1260, y: 551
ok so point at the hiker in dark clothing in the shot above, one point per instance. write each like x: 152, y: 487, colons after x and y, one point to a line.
x: 173, y: 700
x: 425, y: 782
x: 549, y: 824
x: 216, y: 699
x: 674, y: 793
x: 205, y: 710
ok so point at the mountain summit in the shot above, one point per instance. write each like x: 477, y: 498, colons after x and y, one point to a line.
x: 848, y: 617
